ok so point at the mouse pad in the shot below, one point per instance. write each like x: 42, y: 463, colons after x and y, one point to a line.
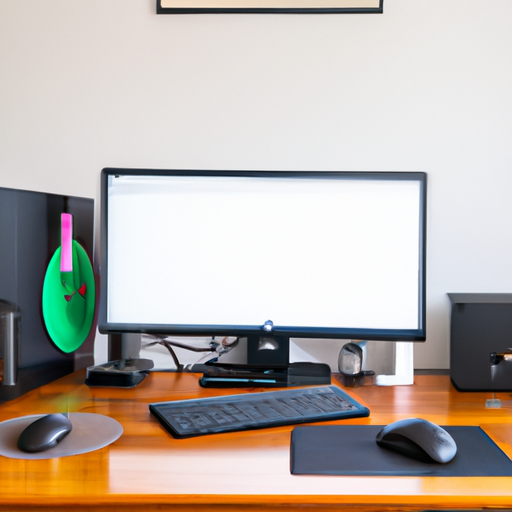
x: 352, y: 450
x: 90, y: 432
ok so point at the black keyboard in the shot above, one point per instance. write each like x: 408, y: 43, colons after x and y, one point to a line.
x: 195, y: 417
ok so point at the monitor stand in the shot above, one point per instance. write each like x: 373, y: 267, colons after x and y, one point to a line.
x: 267, y: 366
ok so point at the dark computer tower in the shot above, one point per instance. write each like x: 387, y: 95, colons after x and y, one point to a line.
x: 481, y: 324
x: 30, y: 230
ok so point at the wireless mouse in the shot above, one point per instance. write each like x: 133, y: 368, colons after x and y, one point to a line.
x: 419, y: 439
x: 44, y: 433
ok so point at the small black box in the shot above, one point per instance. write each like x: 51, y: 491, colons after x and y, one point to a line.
x: 481, y: 323
x: 124, y: 373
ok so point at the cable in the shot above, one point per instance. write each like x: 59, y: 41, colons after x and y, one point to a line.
x: 220, y: 348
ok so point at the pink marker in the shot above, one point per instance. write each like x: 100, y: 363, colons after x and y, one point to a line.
x: 66, y: 240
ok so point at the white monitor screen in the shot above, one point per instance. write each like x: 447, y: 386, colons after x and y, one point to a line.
x: 317, y: 254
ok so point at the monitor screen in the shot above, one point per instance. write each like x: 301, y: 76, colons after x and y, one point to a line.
x: 294, y: 254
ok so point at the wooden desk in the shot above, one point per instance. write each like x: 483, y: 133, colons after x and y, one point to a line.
x: 146, y: 469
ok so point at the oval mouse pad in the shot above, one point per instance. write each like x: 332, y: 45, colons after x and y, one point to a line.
x: 68, y: 307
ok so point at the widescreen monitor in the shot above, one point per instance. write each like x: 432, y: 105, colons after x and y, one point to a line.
x: 267, y: 255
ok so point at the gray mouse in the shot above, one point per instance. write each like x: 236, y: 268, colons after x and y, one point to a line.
x: 44, y: 433
x: 419, y: 439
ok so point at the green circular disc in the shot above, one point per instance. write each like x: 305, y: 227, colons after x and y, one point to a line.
x: 68, y: 308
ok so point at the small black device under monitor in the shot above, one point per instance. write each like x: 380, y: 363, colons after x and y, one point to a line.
x: 188, y: 418
x: 124, y: 373
x: 294, y: 374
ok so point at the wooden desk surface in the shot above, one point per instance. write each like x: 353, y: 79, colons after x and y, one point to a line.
x: 148, y: 468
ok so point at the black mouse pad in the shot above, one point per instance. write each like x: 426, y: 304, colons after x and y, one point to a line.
x: 352, y: 450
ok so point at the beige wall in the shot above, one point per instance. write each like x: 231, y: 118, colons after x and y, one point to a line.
x: 425, y: 86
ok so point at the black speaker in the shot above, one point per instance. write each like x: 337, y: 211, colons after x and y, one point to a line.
x: 30, y: 233
x: 480, y: 329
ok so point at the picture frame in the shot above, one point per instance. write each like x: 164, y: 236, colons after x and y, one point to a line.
x: 269, y: 6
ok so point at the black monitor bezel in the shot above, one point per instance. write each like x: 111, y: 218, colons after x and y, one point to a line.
x: 415, y: 335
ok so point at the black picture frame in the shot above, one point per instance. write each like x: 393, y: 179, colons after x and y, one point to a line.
x: 269, y: 6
